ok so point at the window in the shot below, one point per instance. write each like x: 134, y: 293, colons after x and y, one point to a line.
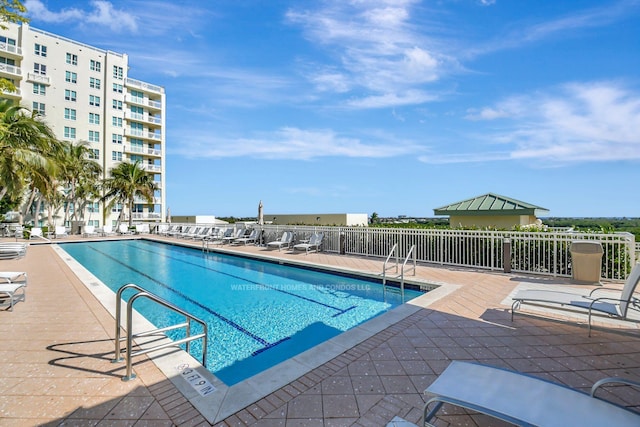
x: 95, y: 65
x: 118, y: 72
x: 38, y: 107
x: 70, y: 77
x: 117, y: 88
x: 116, y: 138
x: 116, y: 156
x: 94, y: 136
x: 69, y: 132
x: 10, y: 42
x: 118, y: 206
x: 93, y: 207
x: 40, y: 50
x: 40, y: 69
x: 70, y: 95
x: 39, y: 89
x: 93, y: 222
x: 117, y: 121
x: 69, y: 113
x: 72, y: 59
x: 94, y: 100
x: 94, y: 118
x: 94, y: 154
x: 117, y: 104
x: 137, y: 97
x: 94, y: 83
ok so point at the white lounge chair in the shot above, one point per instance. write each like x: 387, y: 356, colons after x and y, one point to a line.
x: 284, y: 241
x: 10, y: 283
x: 191, y: 232
x: 613, y: 307
x: 253, y: 237
x: 238, y: 233
x: 89, y: 230
x: 524, y: 400
x: 204, y: 232
x: 36, y: 233
x: 107, y: 230
x: 60, y: 231
x: 313, y: 245
x: 124, y: 229
x: 11, y: 250
x: 142, y: 228
x: 218, y: 236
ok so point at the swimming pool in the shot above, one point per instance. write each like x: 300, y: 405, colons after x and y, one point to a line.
x: 258, y: 313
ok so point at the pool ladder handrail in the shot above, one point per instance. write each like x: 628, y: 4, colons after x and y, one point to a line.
x: 142, y: 293
x: 403, y: 269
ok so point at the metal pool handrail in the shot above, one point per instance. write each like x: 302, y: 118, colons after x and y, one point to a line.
x: 142, y: 293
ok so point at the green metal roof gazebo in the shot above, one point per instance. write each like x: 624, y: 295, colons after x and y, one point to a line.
x: 490, y: 204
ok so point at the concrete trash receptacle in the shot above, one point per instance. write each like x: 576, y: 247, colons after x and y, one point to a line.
x: 586, y: 261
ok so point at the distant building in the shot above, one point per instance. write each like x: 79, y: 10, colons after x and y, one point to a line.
x: 345, y: 219
x: 198, y: 219
x: 491, y: 210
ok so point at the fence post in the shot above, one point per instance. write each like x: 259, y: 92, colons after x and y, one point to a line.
x: 506, y: 254
x: 343, y: 241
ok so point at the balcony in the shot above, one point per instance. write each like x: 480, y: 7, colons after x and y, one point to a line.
x: 151, y: 168
x: 136, y: 149
x: 147, y: 87
x: 154, y: 136
x: 11, y: 70
x: 38, y: 78
x: 143, y: 201
x: 16, y: 94
x: 146, y: 102
x: 11, y: 50
x: 143, y: 118
x: 146, y: 215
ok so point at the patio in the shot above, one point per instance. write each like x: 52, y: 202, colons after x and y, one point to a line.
x: 57, y: 347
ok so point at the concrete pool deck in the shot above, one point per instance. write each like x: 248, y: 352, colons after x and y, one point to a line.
x: 57, y: 348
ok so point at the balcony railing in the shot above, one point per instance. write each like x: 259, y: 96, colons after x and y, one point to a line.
x: 144, y: 134
x: 148, y: 87
x: 151, y: 168
x: 145, y: 215
x: 143, y: 201
x: 143, y: 118
x: 12, y: 94
x: 10, y: 69
x: 38, y: 78
x: 10, y: 48
x: 142, y: 150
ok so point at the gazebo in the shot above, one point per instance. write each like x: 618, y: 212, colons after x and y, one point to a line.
x: 491, y: 210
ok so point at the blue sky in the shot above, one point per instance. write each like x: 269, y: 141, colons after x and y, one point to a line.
x: 396, y: 107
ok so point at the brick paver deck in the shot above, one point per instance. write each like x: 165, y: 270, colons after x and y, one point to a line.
x: 57, y: 346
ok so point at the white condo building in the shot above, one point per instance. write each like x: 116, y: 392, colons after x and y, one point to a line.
x: 85, y: 93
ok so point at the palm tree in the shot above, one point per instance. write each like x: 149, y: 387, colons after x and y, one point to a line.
x: 25, y: 142
x: 79, y: 175
x: 127, y: 181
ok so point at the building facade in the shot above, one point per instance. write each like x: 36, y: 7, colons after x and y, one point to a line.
x: 85, y: 94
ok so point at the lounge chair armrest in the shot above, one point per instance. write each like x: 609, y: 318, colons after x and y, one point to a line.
x: 613, y: 380
x: 603, y: 289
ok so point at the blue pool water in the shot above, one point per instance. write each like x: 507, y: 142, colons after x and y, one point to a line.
x: 258, y: 313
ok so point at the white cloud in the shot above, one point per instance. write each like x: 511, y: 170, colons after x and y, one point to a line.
x: 392, y: 99
x: 292, y: 143
x: 102, y: 13
x: 376, y: 49
x: 37, y: 10
x: 577, y: 122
